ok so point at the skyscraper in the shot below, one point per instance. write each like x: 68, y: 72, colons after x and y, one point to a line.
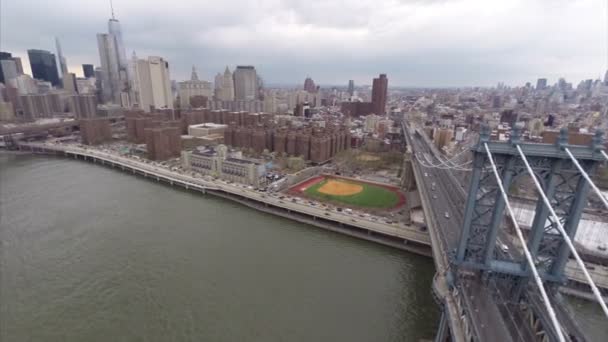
x: 245, y: 83
x: 351, y: 87
x: 69, y: 82
x: 115, y: 70
x: 152, y: 83
x: 19, y: 65
x: 88, y: 70
x: 44, y: 66
x: 8, y: 68
x: 193, y: 87
x: 63, y: 67
x: 541, y: 83
x: 379, y: 91
x: 4, y: 56
x: 224, y: 86
x: 309, y: 85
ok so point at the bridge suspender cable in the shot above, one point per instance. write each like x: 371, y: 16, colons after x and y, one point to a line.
x: 586, y: 176
x: 562, y: 231
x: 537, y: 279
x: 427, y: 164
x: 604, y: 154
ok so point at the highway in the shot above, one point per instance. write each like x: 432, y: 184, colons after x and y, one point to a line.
x: 294, y: 204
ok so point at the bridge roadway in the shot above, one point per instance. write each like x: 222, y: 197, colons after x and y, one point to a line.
x: 473, y: 314
x: 396, y: 235
x: 488, y: 322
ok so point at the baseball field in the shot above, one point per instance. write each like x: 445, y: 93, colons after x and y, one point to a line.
x: 350, y: 192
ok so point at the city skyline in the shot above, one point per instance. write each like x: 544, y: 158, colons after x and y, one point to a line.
x: 417, y: 43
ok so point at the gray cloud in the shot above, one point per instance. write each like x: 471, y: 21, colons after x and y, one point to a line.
x: 416, y: 42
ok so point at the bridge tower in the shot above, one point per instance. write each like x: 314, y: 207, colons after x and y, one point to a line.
x: 483, y: 247
x: 485, y: 207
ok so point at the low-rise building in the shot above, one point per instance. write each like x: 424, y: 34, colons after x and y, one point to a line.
x: 218, y: 162
x: 206, y: 129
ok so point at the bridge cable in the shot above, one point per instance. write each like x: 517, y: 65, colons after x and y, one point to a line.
x: 562, y: 231
x: 604, y: 154
x: 587, y: 178
x: 537, y: 279
x: 428, y: 164
x: 445, y: 163
x: 451, y: 159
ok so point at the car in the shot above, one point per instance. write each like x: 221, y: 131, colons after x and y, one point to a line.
x: 601, y: 247
x: 504, y: 247
x: 447, y: 215
x: 327, y: 214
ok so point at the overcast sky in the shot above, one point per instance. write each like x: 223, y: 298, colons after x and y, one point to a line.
x: 415, y: 42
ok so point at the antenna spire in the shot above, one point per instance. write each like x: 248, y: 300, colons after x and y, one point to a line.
x: 112, y: 9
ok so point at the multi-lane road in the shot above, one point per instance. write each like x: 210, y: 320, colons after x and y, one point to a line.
x: 366, y: 222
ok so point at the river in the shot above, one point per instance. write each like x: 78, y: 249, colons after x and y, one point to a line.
x: 93, y: 254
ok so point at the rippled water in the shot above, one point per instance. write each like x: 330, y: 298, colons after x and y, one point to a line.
x: 93, y: 254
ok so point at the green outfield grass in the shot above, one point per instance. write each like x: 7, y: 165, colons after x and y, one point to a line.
x: 371, y: 196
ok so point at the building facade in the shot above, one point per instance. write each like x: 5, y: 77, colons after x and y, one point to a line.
x: 44, y: 66
x: 83, y: 105
x: 88, y: 70
x: 193, y: 87
x: 224, y: 86
x: 309, y: 85
x: 217, y: 162
x: 245, y: 83
x: 115, y: 74
x: 94, y: 131
x: 379, y: 94
x: 152, y: 84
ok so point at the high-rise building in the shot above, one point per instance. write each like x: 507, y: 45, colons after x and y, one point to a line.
x: 379, y: 93
x: 309, y: 85
x: 193, y: 87
x: 44, y: 66
x: 19, y: 65
x: 88, y: 70
x: 245, y: 83
x: 152, y: 83
x: 69, y: 82
x: 8, y: 68
x: 7, y: 112
x: 115, y: 80
x: 224, y: 86
x: 541, y: 83
x: 163, y: 142
x: 95, y: 131
x: 63, y: 66
x: 35, y: 106
x: 351, y: 87
x: 83, y: 106
x: 25, y: 84
x: 4, y: 56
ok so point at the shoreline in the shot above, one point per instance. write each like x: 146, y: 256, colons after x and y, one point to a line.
x: 388, y: 236
x: 318, y: 222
